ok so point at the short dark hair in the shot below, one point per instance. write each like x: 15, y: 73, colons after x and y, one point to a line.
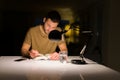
x: 54, y: 16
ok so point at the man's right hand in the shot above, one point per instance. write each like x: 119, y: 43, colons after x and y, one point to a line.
x: 34, y: 53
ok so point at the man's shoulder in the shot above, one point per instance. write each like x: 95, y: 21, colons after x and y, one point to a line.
x: 35, y: 28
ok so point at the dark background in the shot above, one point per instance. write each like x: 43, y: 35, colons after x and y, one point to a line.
x: 100, y: 16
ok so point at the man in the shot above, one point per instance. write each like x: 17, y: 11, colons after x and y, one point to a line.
x: 36, y: 42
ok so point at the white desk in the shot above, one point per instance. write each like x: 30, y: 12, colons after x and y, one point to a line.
x: 53, y: 70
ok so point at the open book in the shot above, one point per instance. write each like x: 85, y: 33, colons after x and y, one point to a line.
x: 43, y: 57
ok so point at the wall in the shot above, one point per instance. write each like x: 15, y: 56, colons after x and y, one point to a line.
x: 111, y: 38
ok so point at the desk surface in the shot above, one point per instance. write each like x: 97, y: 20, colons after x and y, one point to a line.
x: 53, y: 70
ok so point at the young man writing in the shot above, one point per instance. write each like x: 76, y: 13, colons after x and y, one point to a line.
x: 36, y: 41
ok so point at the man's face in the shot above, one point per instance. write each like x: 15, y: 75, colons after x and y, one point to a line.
x: 49, y: 25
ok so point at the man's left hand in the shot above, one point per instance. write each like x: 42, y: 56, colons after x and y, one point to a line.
x: 54, y: 56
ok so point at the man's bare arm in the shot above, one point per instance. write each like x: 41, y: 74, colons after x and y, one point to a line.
x: 63, y: 47
x: 25, y: 50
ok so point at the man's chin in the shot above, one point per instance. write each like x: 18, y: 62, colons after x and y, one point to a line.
x: 47, y: 32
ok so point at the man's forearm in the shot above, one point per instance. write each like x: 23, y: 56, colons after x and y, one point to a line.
x: 25, y: 53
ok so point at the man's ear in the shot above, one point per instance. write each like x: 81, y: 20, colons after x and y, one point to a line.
x: 44, y: 19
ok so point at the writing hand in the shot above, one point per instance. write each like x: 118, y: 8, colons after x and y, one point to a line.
x: 34, y: 53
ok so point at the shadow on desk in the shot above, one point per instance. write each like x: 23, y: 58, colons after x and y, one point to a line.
x: 12, y: 77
